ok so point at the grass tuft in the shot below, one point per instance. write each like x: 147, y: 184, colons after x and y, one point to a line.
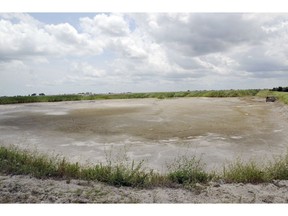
x: 244, y: 172
x: 186, y: 170
x: 118, y: 175
x: 278, y: 169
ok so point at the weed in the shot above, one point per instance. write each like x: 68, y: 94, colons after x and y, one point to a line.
x: 278, y: 169
x: 248, y: 172
x: 15, y: 161
x: 186, y: 170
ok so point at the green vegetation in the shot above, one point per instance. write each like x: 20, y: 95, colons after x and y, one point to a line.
x: 281, y: 96
x: 159, y: 95
x: 34, y: 99
x: 16, y: 161
x: 248, y: 172
x: 186, y: 170
x: 280, y: 89
x: 183, y: 171
x: 279, y: 168
x: 251, y: 172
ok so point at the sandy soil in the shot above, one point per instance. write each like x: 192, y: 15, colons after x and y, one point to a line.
x: 24, y: 189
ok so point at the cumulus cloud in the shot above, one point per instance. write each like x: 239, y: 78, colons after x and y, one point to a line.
x: 24, y: 37
x: 237, y: 45
x: 171, y: 49
x: 113, y: 25
x: 87, y: 70
x: 200, y: 34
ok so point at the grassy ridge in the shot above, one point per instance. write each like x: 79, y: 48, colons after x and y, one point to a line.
x: 281, y: 96
x: 15, y: 161
x: 159, y: 95
x: 184, y: 171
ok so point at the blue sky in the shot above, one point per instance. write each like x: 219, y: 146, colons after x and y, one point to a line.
x: 58, y: 53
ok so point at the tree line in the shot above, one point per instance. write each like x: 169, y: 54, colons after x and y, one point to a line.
x: 280, y: 89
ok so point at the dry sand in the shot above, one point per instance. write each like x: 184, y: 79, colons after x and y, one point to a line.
x: 23, y: 189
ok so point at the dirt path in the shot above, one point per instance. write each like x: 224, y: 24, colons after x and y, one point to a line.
x: 24, y: 189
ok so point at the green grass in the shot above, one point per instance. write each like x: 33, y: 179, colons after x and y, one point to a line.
x: 21, y: 162
x: 281, y: 96
x: 16, y: 161
x: 186, y: 171
x: 252, y: 172
x: 244, y: 172
x: 159, y: 95
x: 278, y: 169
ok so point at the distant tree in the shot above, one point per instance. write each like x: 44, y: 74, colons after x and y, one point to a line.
x: 280, y: 89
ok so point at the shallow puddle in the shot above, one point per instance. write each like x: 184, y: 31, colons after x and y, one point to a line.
x: 157, y: 131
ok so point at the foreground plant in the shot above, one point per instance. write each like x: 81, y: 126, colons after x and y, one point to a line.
x: 188, y: 170
x: 15, y: 161
x: 244, y: 172
x: 278, y: 169
x: 119, y: 175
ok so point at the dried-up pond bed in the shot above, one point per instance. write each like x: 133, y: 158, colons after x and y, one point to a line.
x: 157, y: 131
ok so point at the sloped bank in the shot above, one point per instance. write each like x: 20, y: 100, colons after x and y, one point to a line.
x: 58, y: 181
x: 25, y: 189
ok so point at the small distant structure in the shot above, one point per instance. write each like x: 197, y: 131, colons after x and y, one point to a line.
x: 85, y: 94
x: 270, y: 99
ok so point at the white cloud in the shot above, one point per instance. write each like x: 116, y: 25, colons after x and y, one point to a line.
x: 13, y: 65
x: 87, y: 70
x: 27, y: 38
x: 170, y: 49
x: 113, y: 25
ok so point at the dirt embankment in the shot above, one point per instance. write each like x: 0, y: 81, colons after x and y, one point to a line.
x: 24, y: 189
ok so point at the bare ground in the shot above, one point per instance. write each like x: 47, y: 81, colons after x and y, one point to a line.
x: 157, y: 131
x: 25, y: 189
x: 262, y: 128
